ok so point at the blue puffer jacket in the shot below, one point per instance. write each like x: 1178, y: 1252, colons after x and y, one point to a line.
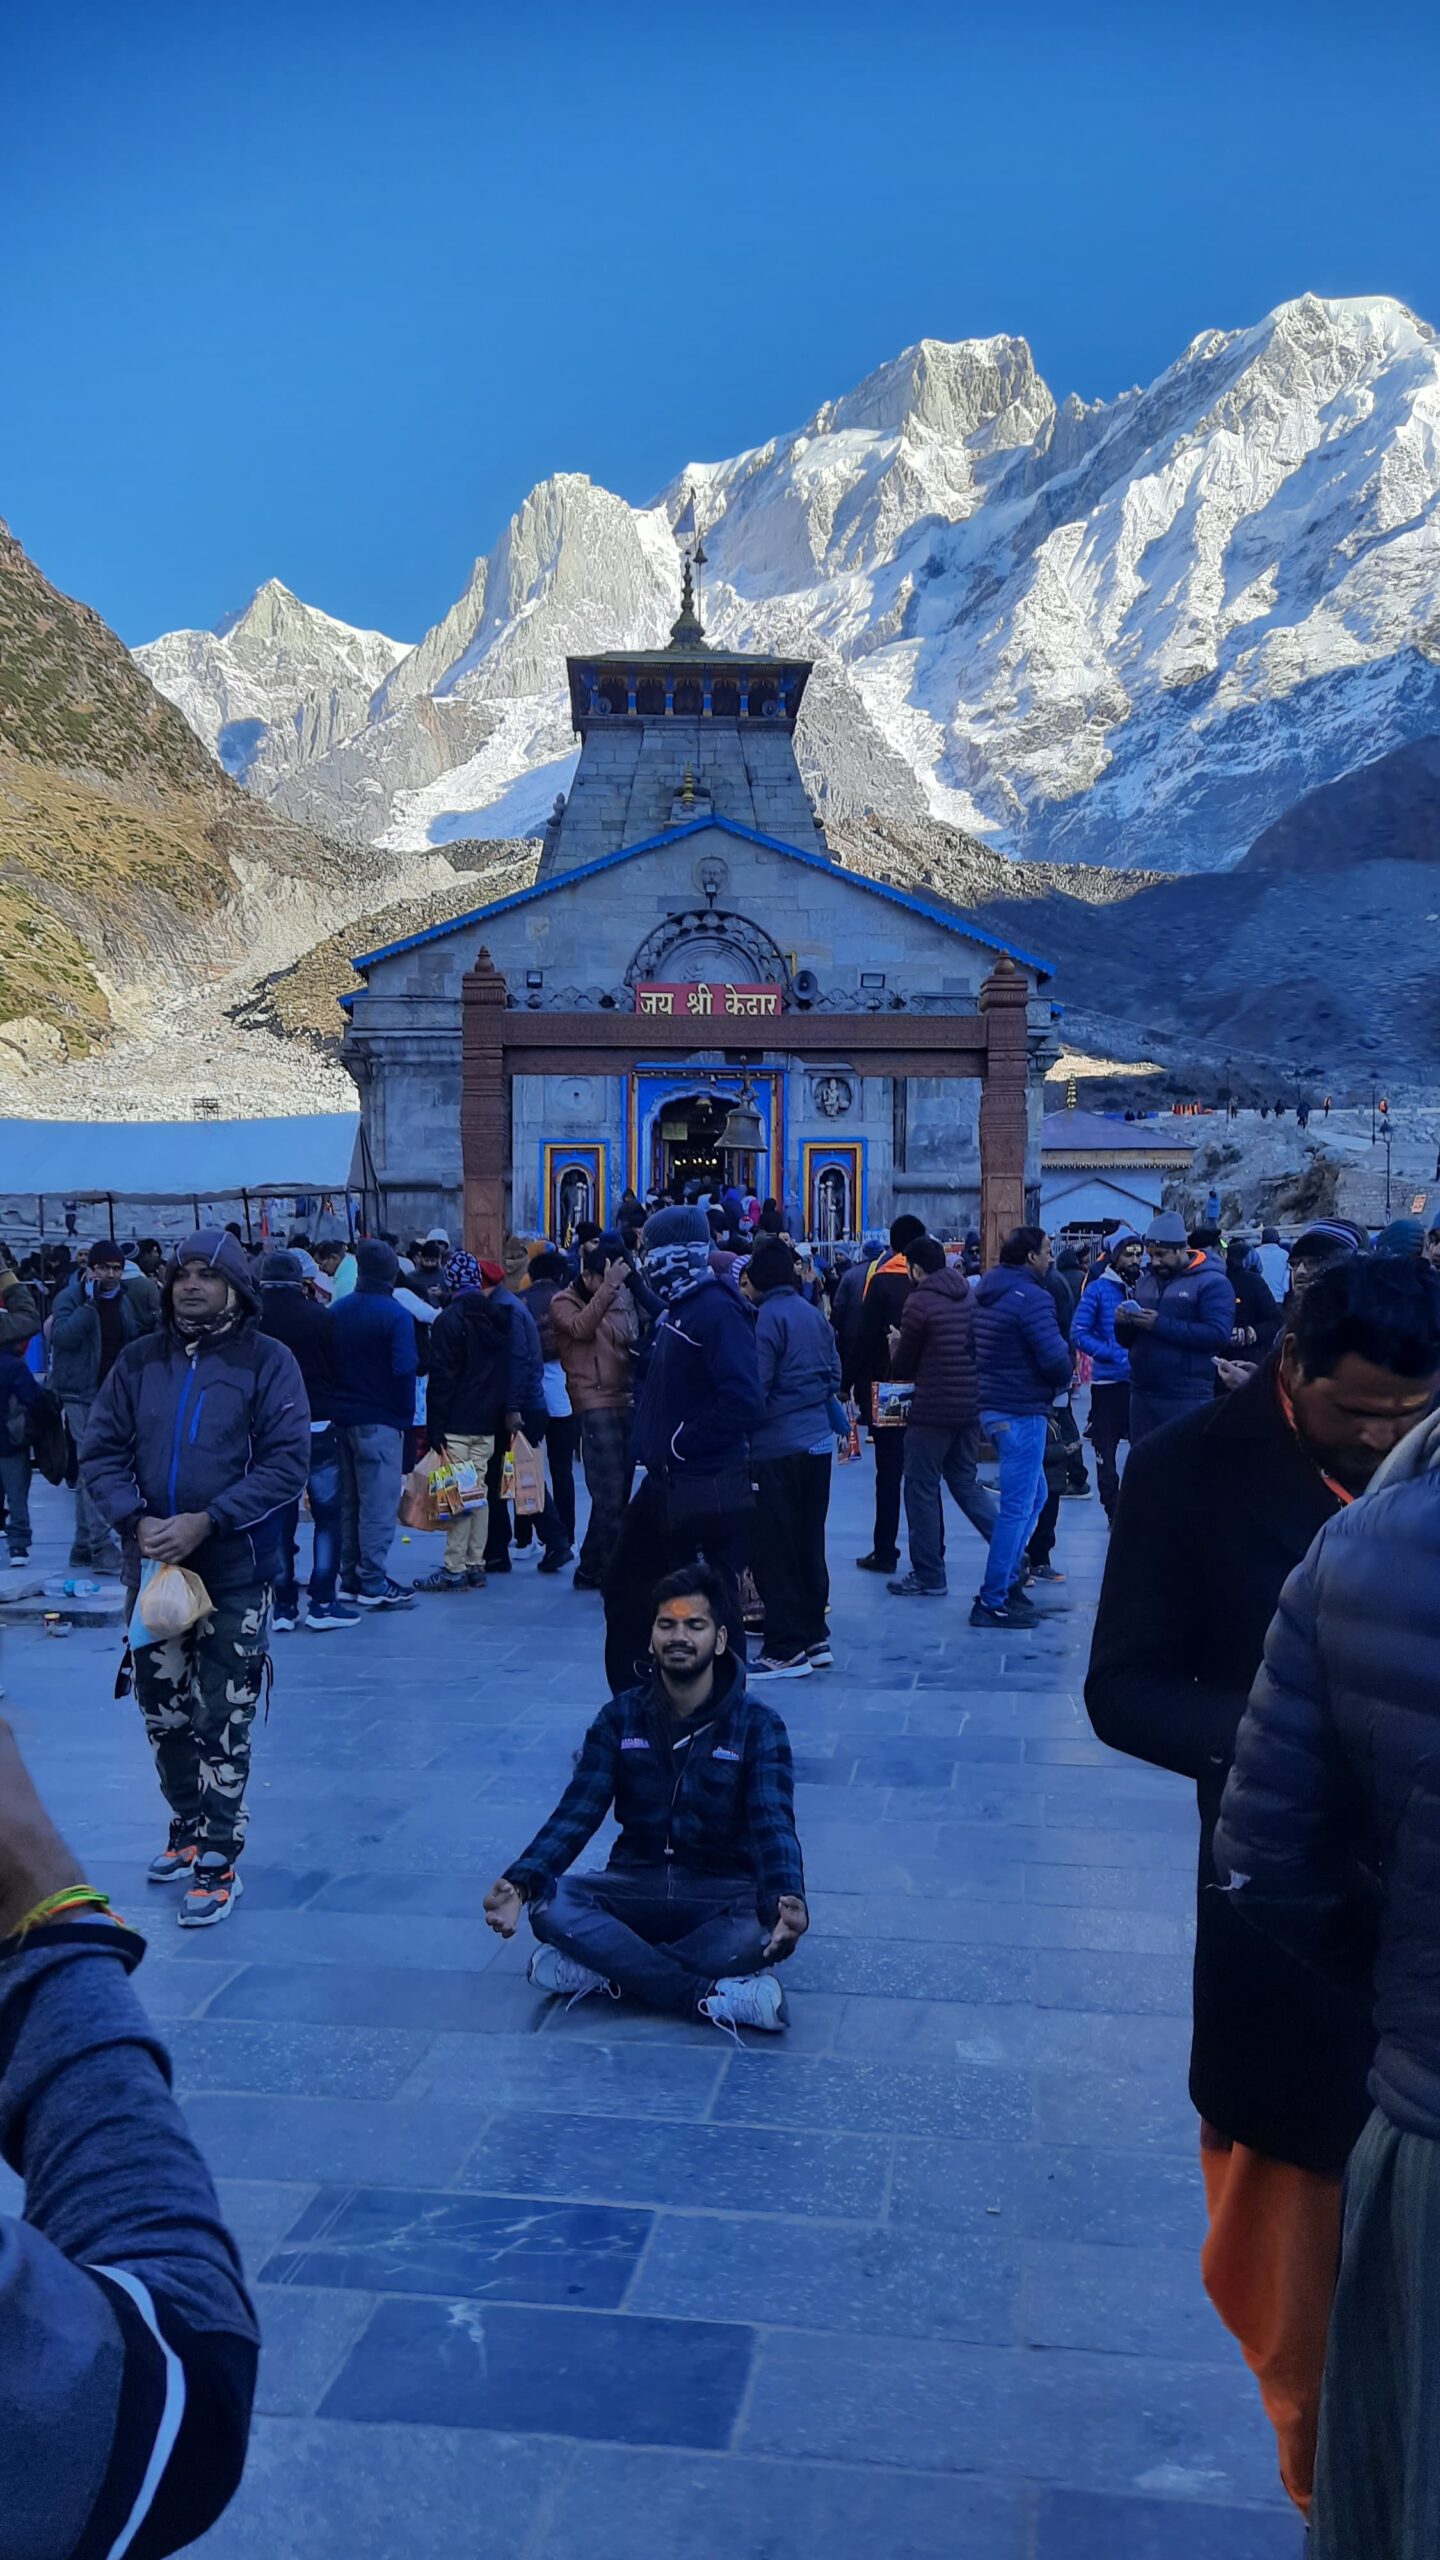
x: 1093, y: 1330
x: 1174, y: 1359
x: 222, y: 1426
x: 701, y: 1398
x: 1330, y: 1826
x: 1022, y: 1355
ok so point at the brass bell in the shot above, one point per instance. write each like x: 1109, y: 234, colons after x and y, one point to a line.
x: 744, y: 1130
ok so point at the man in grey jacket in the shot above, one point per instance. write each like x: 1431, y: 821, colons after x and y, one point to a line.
x: 198, y: 1443
x: 792, y: 1451
x: 127, y: 2341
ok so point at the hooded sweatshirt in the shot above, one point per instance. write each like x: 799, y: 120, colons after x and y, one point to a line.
x: 214, y: 1421
x: 372, y: 1346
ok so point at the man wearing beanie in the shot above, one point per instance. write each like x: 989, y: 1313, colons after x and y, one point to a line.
x: 1175, y: 1327
x: 288, y: 1316
x: 885, y: 1288
x: 699, y: 1403
x: 197, y: 1444
x: 372, y: 1397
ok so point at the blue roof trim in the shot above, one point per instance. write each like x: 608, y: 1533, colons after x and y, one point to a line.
x: 918, y: 905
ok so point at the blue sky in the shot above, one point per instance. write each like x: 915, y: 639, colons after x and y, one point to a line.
x: 318, y: 291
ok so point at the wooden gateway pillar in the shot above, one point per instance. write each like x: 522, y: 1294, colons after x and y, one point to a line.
x: 1003, y: 1115
x: 484, y: 1119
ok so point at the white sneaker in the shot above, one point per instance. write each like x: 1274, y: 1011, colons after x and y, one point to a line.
x: 747, y: 2000
x: 560, y: 1976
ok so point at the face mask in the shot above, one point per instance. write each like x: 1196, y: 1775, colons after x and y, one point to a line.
x: 671, y: 1269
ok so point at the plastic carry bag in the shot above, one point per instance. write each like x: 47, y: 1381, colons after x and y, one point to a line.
x: 171, y: 1598
x: 890, y: 1403
x: 529, y: 1473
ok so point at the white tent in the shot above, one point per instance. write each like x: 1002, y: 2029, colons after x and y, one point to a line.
x: 183, y: 1160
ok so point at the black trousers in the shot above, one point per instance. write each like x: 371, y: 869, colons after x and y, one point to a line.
x: 651, y: 1543
x: 1074, y: 1447
x: 787, y: 1550
x: 497, y: 1528
x: 1042, y: 1536
x: 889, y: 1477
x: 1109, y: 1425
x: 562, y: 1439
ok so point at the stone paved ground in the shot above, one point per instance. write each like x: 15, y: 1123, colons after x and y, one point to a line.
x: 917, y: 2282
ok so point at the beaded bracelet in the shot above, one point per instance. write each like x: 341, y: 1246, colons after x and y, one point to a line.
x: 67, y: 1904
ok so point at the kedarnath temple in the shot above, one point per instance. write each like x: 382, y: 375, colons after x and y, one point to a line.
x: 690, y: 969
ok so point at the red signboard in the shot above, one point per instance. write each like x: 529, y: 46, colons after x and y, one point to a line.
x: 708, y: 1000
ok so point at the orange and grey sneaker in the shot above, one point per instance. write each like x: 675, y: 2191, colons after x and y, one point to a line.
x: 213, y: 1894
x: 175, y: 1861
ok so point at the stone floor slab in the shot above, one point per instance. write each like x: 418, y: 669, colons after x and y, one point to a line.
x: 582, y: 2374
x: 485, y: 2247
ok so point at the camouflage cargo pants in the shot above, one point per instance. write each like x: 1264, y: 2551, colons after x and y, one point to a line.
x: 198, y: 1693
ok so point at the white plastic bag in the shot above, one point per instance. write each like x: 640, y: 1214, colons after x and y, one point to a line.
x: 171, y: 1599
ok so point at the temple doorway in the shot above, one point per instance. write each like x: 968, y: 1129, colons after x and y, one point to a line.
x: 684, y: 1145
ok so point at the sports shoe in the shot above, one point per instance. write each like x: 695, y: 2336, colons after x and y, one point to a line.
x: 1076, y: 1492
x: 747, y: 2000
x: 876, y: 1564
x: 560, y: 1977
x: 396, y: 1595
x: 821, y: 1655
x: 555, y: 1559
x: 323, y: 1616
x: 1047, y: 1573
x: 775, y: 1667
x: 19, y: 1558
x: 176, y: 1861
x: 1015, y: 1614
x: 211, y: 1897
x: 910, y: 1589
x: 443, y: 1580
x: 284, y: 1621
x: 107, y: 1560
x: 475, y: 1576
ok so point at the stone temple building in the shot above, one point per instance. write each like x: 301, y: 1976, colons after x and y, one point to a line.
x: 698, y: 949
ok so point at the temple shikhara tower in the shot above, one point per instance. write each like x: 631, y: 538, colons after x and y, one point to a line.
x: 692, y: 968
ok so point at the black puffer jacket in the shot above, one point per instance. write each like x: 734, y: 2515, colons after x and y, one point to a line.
x: 470, y: 1369
x: 937, y: 1349
x: 1330, y: 1827
x: 1214, y: 1515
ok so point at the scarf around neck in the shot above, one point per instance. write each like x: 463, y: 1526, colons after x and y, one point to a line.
x: 671, y: 1269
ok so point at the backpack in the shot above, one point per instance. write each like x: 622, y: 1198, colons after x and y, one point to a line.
x: 49, y: 1439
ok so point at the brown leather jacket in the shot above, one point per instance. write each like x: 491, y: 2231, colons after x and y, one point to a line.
x: 596, y: 1337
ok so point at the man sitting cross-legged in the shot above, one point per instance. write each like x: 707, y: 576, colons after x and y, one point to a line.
x: 705, y: 1886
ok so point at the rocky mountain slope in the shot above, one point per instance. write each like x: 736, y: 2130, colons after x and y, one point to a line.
x: 133, y: 871
x: 1131, y: 632
x: 1387, y: 810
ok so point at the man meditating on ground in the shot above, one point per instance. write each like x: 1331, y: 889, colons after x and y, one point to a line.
x: 705, y: 1886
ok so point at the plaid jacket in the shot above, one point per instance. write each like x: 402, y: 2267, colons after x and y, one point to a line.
x: 724, y: 1805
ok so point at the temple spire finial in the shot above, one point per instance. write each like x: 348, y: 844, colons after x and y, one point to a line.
x: 687, y: 631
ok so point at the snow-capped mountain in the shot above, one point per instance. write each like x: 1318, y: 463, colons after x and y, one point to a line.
x: 274, y: 686
x: 1126, y: 632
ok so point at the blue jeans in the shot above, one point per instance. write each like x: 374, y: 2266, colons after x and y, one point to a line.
x: 1020, y: 1441
x: 661, y: 1934
x: 371, y: 1473
x: 324, y: 1491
